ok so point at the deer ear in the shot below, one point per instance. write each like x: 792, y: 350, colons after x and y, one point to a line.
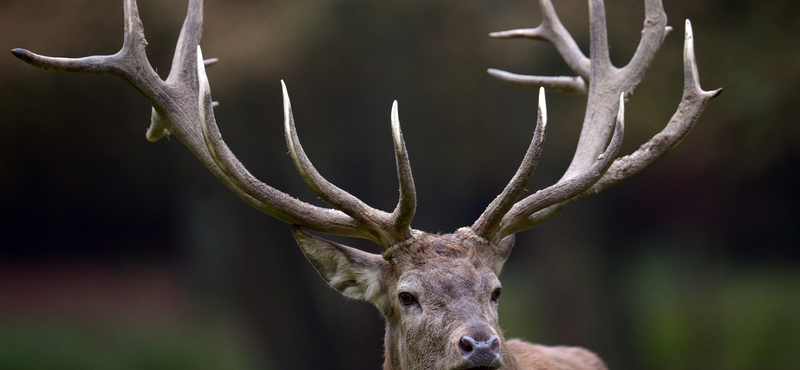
x: 354, y: 273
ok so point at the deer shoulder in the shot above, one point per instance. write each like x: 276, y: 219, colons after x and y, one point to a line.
x: 537, y: 357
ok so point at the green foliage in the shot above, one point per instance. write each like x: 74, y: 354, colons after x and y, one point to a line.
x: 51, y: 344
x: 734, y: 318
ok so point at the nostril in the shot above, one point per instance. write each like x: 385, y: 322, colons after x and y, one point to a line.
x: 494, y: 344
x: 467, y: 345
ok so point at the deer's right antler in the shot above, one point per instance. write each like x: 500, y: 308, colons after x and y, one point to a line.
x: 182, y: 107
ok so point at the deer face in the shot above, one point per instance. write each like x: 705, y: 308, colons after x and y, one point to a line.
x: 438, y: 293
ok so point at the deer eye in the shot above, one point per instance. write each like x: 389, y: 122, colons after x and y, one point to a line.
x: 495, y: 294
x: 406, y: 298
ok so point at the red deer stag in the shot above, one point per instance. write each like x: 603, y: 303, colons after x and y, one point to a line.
x: 437, y: 293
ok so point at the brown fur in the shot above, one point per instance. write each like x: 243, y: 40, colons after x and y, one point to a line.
x: 537, y: 357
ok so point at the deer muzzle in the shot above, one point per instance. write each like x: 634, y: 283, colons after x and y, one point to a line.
x: 480, y: 354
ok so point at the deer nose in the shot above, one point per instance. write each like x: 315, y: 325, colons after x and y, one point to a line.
x: 480, y: 353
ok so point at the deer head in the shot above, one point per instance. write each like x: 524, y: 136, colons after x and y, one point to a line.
x: 437, y: 293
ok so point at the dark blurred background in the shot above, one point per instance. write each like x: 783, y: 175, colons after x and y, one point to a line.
x: 117, y: 253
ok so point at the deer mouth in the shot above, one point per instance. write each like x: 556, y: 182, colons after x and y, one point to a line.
x: 494, y: 366
x: 467, y: 366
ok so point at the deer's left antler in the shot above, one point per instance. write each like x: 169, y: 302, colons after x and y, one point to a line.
x: 594, y: 166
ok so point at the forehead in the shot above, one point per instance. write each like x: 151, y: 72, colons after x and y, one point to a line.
x: 441, y: 258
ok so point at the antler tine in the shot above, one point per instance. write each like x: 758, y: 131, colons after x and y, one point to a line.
x: 598, y: 40
x: 553, y: 31
x: 130, y: 62
x: 488, y: 222
x: 184, y: 67
x: 517, y: 218
x: 185, y: 58
x: 407, y: 202
x: 382, y: 225
x: 559, y: 84
x: 654, y: 31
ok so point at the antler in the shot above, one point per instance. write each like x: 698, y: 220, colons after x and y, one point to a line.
x: 594, y: 166
x: 182, y: 107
